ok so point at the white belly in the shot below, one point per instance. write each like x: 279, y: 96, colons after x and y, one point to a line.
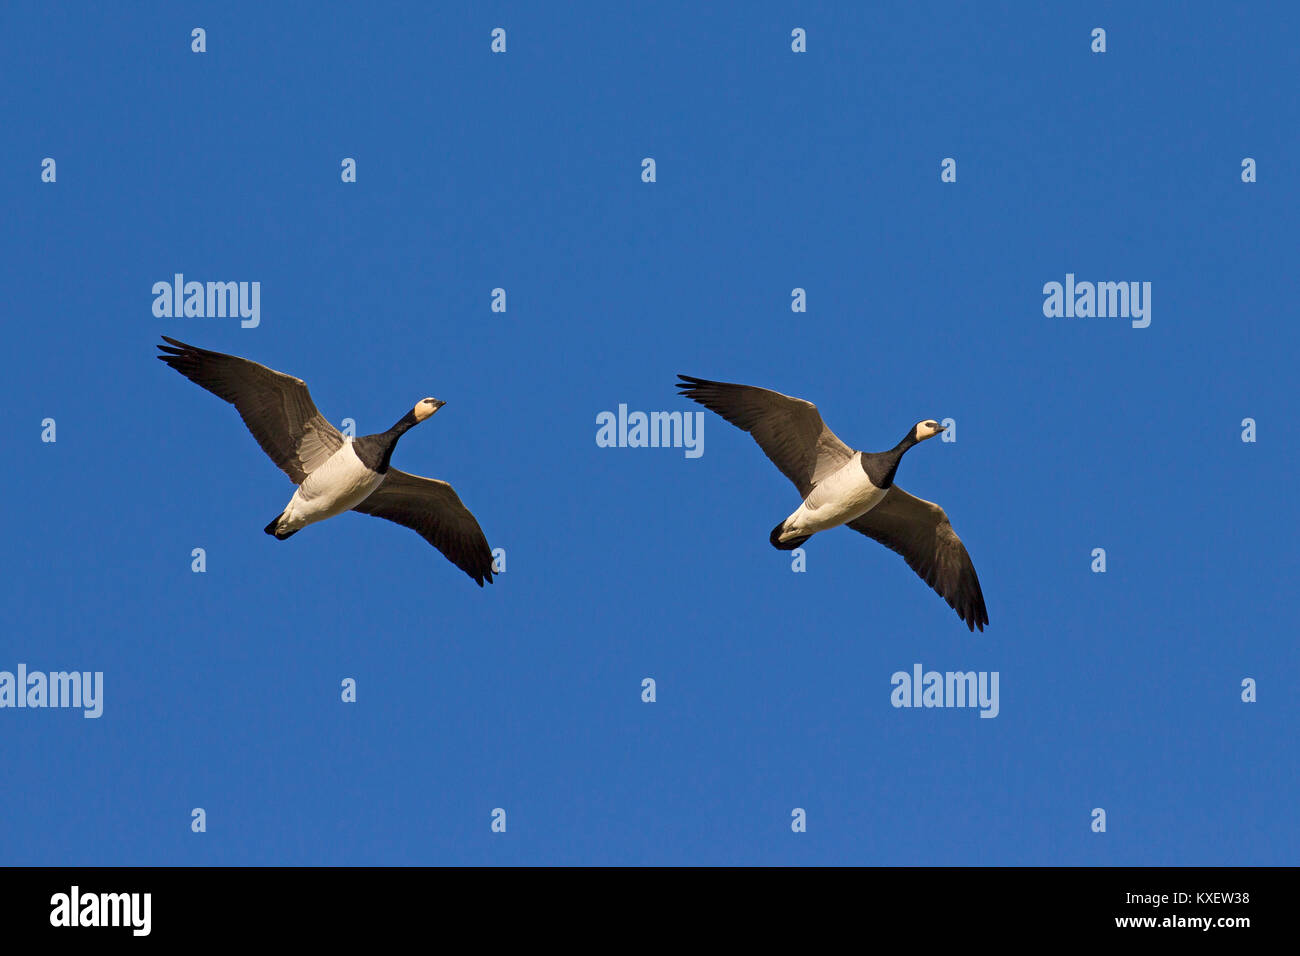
x: 338, y: 485
x: 841, y: 496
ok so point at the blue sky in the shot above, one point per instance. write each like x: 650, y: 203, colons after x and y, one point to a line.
x: 775, y: 171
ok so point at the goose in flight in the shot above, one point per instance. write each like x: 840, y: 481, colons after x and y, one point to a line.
x: 334, y: 473
x: 841, y: 486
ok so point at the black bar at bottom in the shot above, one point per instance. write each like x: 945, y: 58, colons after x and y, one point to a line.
x: 337, y: 905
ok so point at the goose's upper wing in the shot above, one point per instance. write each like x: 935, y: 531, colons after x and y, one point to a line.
x: 433, y: 509
x: 920, y: 532
x: 277, y: 408
x: 789, y: 430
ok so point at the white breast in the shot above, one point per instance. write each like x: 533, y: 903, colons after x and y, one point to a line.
x: 338, y: 485
x: 841, y: 496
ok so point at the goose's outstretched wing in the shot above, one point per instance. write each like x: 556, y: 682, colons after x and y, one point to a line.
x: 919, y: 530
x: 789, y: 430
x: 277, y: 408
x: 432, y: 509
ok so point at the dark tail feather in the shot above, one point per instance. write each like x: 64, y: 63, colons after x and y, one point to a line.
x: 270, y: 529
x: 790, y: 545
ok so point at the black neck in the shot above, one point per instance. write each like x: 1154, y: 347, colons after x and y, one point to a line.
x: 880, y: 467
x: 402, y: 424
x: 908, y: 441
x: 375, y: 451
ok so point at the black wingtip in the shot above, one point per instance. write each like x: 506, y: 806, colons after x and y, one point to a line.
x: 176, y: 346
x: 693, y: 388
x: 480, y: 577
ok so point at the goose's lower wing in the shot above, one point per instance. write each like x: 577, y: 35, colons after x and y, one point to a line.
x: 919, y: 530
x: 433, y: 510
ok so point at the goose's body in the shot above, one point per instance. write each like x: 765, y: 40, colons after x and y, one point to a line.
x: 841, y: 486
x: 335, y: 473
x: 338, y: 485
x: 837, y: 499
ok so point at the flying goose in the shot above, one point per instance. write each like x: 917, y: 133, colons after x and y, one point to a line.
x: 334, y: 473
x: 841, y: 486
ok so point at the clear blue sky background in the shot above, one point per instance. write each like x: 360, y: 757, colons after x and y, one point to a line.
x: 775, y: 171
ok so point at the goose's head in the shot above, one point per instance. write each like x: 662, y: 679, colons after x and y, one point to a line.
x: 426, y: 407
x: 926, y: 429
